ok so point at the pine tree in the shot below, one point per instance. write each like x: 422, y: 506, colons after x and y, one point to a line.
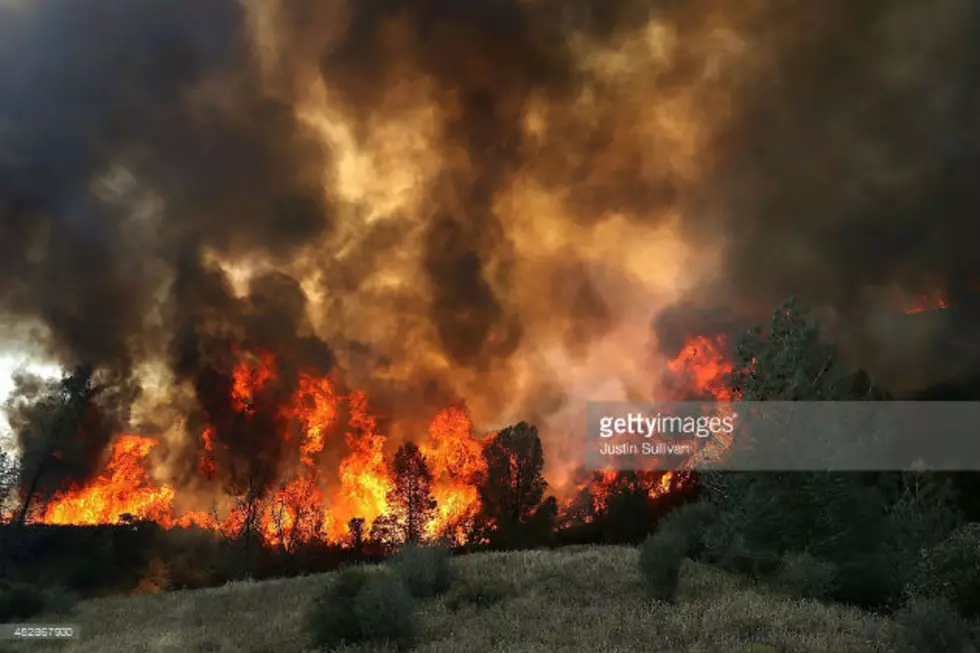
x: 411, y: 497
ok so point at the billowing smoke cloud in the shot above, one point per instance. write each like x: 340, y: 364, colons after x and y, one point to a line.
x: 490, y: 201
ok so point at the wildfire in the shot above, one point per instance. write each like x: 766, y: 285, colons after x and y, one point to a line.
x: 310, y: 501
x: 703, y: 363
x: 364, y: 475
x: 251, y: 375
x: 124, y: 488
x: 315, y: 407
x: 302, y: 505
x: 593, y: 494
x: 927, y: 302
x: 456, y: 462
x: 207, y: 465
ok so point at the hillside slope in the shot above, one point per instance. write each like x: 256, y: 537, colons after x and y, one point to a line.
x: 574, y: 599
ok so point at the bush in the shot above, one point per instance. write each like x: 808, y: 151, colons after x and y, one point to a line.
x: 733, y: 554
x: 190, y: 574
x: 482, y: 593
x: 21, y: 601
x: 930, y: 626
x: 332, y: 620
x: 661, y: 556
x: 424, y: 569
x: 385, y: 610
x: 806, y: 576
x: 951, y: 570
x: 871, y: 580
x: 690, y: 521
x: 361, y: 605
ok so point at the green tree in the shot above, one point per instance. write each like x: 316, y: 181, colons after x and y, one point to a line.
x: 844, y: 518
x: 514, y: 485
x: 789, y: 360
x: 411, y: 494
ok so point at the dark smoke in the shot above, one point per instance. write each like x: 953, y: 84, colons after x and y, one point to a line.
x: 93, y: 85
x: 65, y: 425
x: 852, y: 165
x: 273, y: 318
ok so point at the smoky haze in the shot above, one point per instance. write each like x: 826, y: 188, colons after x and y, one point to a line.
x: 488, y: 201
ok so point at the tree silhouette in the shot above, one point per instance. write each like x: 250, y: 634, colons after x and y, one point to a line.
x: 514, y: 486
x: 411, y: 495
x: 356, y: 528
x: 51, y: 443
x: 385, y: 532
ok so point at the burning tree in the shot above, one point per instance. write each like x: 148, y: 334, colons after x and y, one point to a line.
x: 386, y: 533
x: 55, y: 432
x: 411, y: 497
x: 53, y: 435
x: 514, y: 485
x: 356, y: 529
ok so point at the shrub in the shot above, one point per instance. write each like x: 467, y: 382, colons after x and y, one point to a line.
x: 930, y: 625
x: 661, y: 556
x: 385, y: 610
x: 482, y: 593
x: 951, y: 570
x: 332, y: 620
x: 424, y: 569
x: 733, y: 554
x: 872, y: 580
x: 807, y: 576
x: 20, y: 601
x: 187, y: 573
x: 690, y: 521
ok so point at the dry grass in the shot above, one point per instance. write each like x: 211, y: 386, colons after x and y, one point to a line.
x: 576, y: 599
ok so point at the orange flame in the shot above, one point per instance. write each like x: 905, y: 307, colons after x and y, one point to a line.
x: 364, y: 478
x: 704, y: 364
x: 123, y: 489
x: 207, y: 466
x: 456, y: 461
x: 927, y: 302
x: 594, y: 493
x: 315, y: 408
x: 250, y: 376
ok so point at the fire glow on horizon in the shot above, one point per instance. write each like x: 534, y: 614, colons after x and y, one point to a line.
x: 302, y: 505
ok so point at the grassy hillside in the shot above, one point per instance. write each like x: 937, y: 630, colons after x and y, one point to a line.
x: 575, y: 599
